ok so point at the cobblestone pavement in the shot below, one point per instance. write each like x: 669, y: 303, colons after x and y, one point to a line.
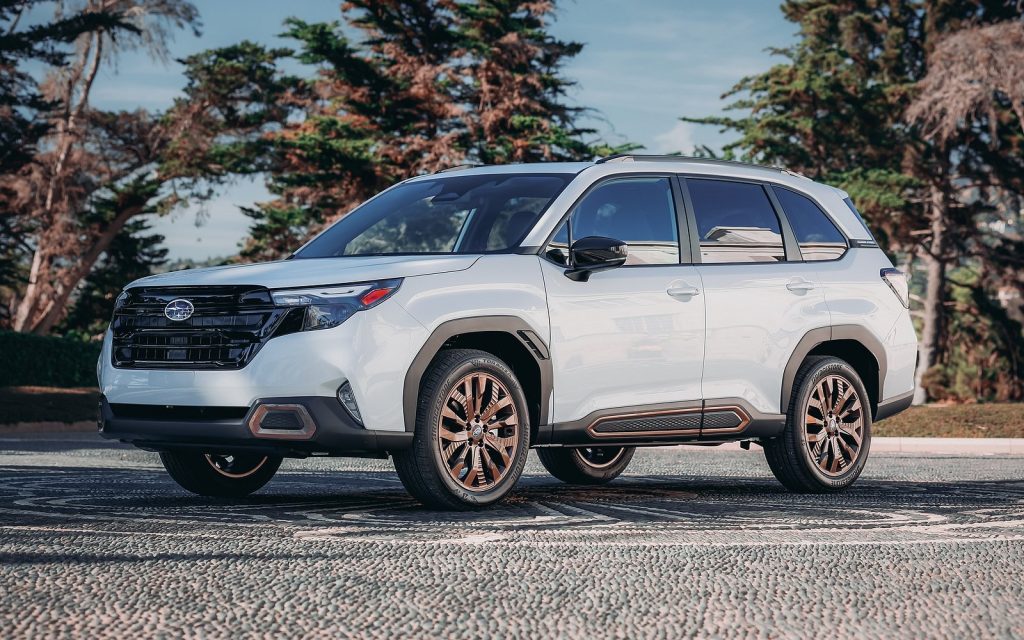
x: 96, y: 541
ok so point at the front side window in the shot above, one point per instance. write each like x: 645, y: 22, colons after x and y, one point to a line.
x: 638, y: 211
x: 735, y: 222
x: 486, y: 213
x: 818, y: 237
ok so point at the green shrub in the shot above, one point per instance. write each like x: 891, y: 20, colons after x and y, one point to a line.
x: 47, y: 361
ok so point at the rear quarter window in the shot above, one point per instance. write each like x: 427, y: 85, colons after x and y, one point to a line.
x: 817, y: 235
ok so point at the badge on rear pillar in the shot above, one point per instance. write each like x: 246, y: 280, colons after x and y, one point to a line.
x: 178, y: 310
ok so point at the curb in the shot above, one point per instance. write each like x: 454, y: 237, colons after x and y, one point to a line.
x: 939, y: 446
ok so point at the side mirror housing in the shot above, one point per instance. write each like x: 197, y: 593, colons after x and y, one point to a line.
x: 595, y: 253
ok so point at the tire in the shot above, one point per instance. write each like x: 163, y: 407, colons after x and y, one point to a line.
x: 459, y: 462
x: 586, y: 465
x: 219, y: 475
x: 818, y: 451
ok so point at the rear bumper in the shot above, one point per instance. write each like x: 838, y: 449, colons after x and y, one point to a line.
x: 334, y: 432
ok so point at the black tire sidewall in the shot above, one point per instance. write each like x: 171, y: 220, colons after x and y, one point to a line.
x: 568, y: 465
x: 830, y: 366
x: 195, y: 473
x: 428, y: 422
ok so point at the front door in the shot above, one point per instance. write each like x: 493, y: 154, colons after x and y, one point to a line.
x: 629, y: 338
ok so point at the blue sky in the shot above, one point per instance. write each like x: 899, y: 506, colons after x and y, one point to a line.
x: 645, y: 63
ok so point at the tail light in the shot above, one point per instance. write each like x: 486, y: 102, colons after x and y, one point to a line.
x: 899, y: 283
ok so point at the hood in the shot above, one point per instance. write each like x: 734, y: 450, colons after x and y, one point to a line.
x: 310, y: 271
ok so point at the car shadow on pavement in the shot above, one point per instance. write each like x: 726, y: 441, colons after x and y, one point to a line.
x: 374, y: 500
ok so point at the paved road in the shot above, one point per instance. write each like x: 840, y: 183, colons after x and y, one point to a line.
x: 95, y: 541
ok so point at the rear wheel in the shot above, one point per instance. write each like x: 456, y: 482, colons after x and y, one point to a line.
x: 221, y: 475
x: 827, y: 436
x: 586, y: 465
x: 472, y: 433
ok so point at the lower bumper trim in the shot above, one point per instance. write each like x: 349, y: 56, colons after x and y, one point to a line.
x: 336, y: 433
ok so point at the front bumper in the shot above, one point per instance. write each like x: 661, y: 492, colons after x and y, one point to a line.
x: 162, y: 428
x: 371, y: 351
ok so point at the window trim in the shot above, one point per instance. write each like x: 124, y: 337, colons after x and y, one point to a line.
x: 681, y: 229
x: 824, y: 211
x: 790, y: 247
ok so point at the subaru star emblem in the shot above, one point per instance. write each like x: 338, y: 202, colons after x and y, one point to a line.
x: 179, y: 310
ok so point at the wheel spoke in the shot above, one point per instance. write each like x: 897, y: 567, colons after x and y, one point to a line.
x: 848, y: 452
x: 470, y: 395
x: 474, y: 467
x: 494, y: 408
x: 837, y: 458
x: 497, y: 447
x: 452, y: 436
x: 823, y: 395
x: 853, y: 433
x: 447, y: 412
x: 492, y: 468
x: 841, y: 402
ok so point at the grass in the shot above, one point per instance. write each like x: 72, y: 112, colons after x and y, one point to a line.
x: 956, y: 421
x: 54, y: 405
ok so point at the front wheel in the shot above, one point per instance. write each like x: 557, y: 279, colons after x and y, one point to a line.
x: 827, y: 436
x: 586, y: 465
x: 472, y: 433
x: 220, y: 475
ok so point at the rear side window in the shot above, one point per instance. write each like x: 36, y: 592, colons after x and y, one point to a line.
x: 638, y: 211
x: 817, y: 235
x: 860, y: 218
x: 735, y: 222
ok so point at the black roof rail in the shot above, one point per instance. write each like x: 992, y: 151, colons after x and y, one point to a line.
x: 459, y: 167
x: 636, y: 157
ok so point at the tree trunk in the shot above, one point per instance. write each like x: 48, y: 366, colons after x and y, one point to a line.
x: 29, y: 306
x: 81, y: 271
x: 935, y: 258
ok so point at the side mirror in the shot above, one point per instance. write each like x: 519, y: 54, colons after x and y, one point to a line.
x: 595, y: 253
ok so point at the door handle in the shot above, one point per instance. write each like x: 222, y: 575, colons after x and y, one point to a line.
x: 684, y: 291
x: 799, y: 285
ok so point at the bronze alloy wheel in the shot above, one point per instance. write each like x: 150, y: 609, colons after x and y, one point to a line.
x: 478, y: 432
x: 600, y: 457
x: 235, y: 466
x: 834, y: 424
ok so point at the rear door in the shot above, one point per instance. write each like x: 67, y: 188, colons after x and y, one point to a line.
x: 761, y: 297
x: 630, y: 337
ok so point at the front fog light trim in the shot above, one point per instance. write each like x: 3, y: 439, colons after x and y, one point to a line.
x: 347, y: 398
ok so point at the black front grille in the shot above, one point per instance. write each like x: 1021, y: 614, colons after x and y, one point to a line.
x: 227, y: 328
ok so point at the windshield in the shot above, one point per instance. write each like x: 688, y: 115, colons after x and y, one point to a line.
x: 488, y: 213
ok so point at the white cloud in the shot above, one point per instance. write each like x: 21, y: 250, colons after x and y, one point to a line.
x: 677, y: 139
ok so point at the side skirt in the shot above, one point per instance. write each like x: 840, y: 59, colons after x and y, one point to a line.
x: 714, y: 420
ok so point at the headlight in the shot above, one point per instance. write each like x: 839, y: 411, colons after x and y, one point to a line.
x: 330, y: 305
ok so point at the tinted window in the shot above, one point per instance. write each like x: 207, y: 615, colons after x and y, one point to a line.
x: 638, y: 211
x: 818, y: 237
x: 735, y: 222
x: 453, y: 214
x: 860, y: 218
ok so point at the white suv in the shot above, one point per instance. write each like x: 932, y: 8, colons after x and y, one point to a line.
x: 456, y: 320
